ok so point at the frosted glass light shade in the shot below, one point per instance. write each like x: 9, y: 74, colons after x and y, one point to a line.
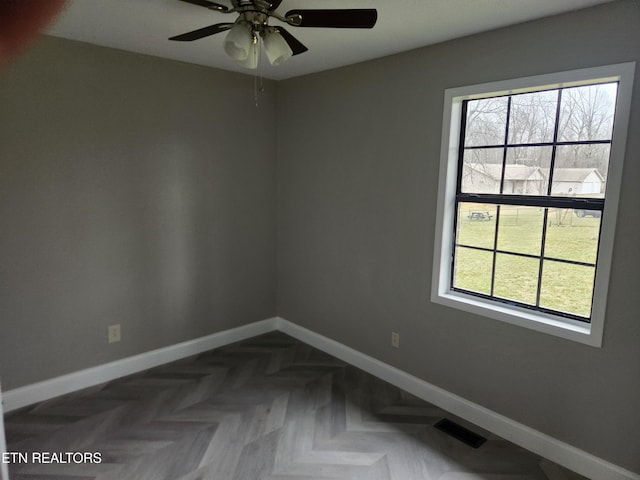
x: 252, y: 57
x: 238, y: 42
x: 276, y: 48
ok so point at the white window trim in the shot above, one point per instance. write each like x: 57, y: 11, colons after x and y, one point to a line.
x: 441, y: 293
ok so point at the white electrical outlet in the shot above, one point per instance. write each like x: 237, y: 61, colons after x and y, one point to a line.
x: 113, y: 333
x: 395, y: 339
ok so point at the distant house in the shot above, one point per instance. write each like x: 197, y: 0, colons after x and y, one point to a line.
x: 485, y: 178
x: 577, y: 181
x: 522, y: 179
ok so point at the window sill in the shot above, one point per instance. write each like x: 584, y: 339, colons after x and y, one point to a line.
x: 545, y: 323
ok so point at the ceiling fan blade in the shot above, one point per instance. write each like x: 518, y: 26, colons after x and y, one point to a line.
x: 202, y: 32
x: 347, y: 18
x: 296, y: 46
x: 207, y: 4
x: 274, y: 4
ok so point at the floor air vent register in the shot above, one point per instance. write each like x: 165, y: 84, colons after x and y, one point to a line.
x: 460, y: 433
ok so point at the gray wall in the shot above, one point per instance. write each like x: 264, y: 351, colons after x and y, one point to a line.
x: 128, y: 194
x: 133, y: 190
x: 358, y: 167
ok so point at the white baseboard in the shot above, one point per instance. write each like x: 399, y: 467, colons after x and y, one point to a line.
x: 54, y: 387
x: 537, y: 442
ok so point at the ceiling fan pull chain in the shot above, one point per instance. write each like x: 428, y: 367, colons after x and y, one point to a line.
x: 258, y: 85
x: 255, y: 89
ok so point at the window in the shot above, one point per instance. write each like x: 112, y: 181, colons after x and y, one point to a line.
x: 529, y: 179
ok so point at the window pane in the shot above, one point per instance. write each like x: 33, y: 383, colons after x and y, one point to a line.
x: 587, y: 112
x: 482, y: 170
x: 573, y: 234
x: 533, y: 117
x: 516, y: 278
x: 472, y: 270
x: 476, y: 225
x: 527, y: 170
x: 567, y: 288
x: 486, y: 121
x: 520, y: 229
x: 581, y: 170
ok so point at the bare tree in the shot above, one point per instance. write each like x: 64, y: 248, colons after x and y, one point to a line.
x: 586, y: 114
x: 486, y: 121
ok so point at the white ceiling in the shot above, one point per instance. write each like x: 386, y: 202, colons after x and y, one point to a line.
x: 143, y: 26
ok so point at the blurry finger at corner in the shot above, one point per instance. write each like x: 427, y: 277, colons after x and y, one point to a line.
x: 20, y: 23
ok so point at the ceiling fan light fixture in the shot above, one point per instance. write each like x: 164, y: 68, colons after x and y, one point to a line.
x: 276, y: 47
x: 242, y: 43
x: 254, y: 52
x: 238, y: 42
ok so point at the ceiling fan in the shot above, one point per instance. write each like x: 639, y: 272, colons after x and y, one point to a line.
x: 252, y: 22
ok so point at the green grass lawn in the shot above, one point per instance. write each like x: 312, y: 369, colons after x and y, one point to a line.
x: 564, y: 287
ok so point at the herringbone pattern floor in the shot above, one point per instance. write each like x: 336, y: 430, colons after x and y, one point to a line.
x: 266, y: 408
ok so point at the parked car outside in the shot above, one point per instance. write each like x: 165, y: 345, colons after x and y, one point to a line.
x: 588, y: 213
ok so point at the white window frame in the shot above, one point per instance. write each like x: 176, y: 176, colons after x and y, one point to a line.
x: 441, y: 292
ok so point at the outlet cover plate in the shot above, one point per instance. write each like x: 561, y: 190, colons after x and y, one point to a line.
x: 113, y: 333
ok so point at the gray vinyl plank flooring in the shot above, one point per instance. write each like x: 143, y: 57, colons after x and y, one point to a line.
x: 268, y: 408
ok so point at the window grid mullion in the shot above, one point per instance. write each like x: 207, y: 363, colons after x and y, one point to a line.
x: 588, y: 203
x: 504, y: 146
x: 543, y: 240
x: 502, y: 176
x: 527, y: 255
x: 494, y: 250
x: 543, y: 243
x: 539, y: 144
x: 463, y: 129
x: 559, y: 313
x: 555, y: 143
x: 463, y: 132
